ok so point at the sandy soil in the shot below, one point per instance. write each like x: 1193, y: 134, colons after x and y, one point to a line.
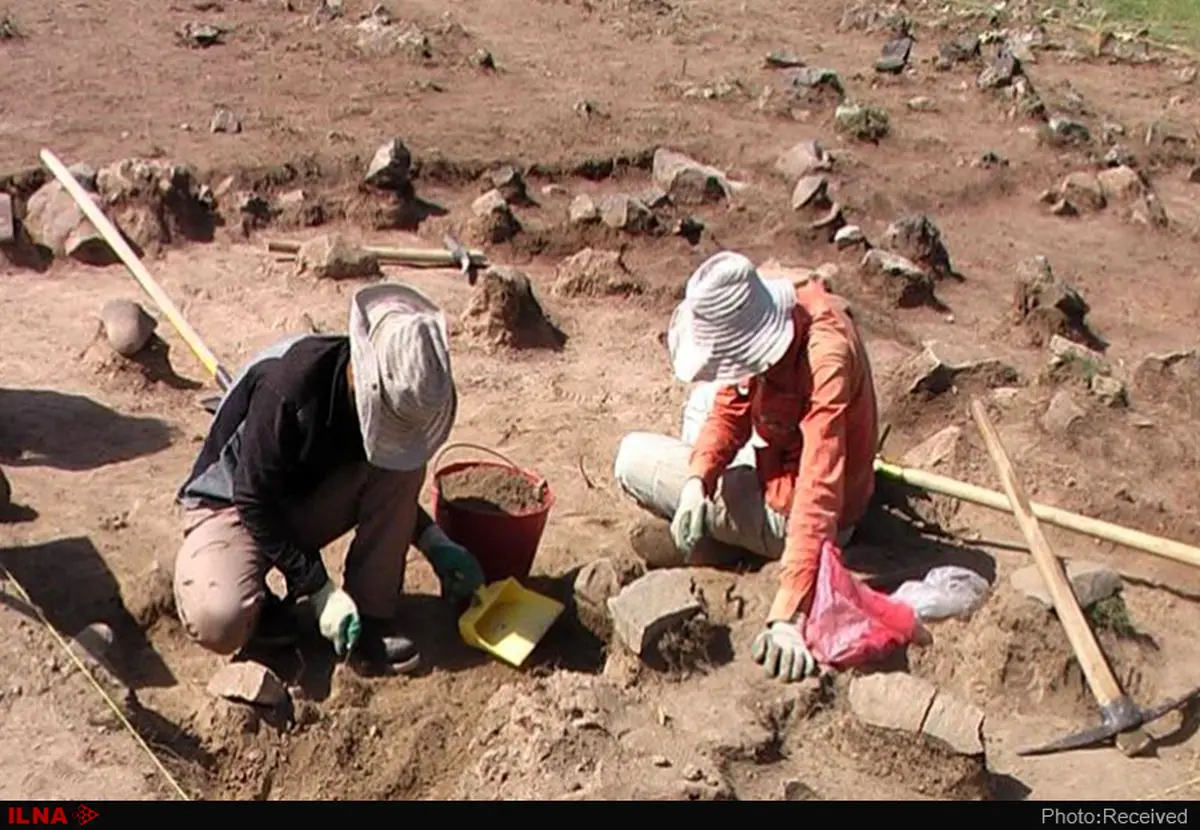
x: 581, y: 95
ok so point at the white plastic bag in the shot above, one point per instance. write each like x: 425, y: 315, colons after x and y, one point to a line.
x: 948, y: 591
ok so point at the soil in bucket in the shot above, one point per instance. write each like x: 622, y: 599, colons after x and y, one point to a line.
x: 487, y: 489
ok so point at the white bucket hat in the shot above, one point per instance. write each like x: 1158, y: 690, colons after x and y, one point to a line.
x: 403, y: 388
x: 732, y: 324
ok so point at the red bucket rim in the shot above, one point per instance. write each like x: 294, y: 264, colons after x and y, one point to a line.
x: 528, y: 475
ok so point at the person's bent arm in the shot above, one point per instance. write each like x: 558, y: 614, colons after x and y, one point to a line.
x: 820, y: 484
x: 271, y: 440
x: 725, y: 431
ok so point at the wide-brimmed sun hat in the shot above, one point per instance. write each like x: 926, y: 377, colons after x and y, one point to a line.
x: 403, y: 387
x: 732, y: 324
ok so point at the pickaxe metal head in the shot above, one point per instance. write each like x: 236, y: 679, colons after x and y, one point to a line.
x: 1119, y: 719
x: 461, y: 256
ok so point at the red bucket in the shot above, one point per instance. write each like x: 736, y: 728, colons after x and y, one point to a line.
x: 504, y: 544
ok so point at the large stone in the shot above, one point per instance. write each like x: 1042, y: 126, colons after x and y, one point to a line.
x: 686, y: 180
x: 1122, y: 184
x: 390, y: 166
x: 625, y: 213
x: 1062, y: 414
x: 127, y: 326
x: 333, y: 257
x: 583, y: 210
x: 811, y: 190
x: 155, y: 202
x: 941, y: 453
x: 93, y: 644
x: 1083, y: 191
x: 55, y: 222
x: 248, y: 682
x: 596, y: 583
x: 593, y: 273
x: 892, y: 700
x: 918, y: 239
x: 955, y: 723
x: 650, y: 605
x: 898, y: 279
x: 803, y: 159
x: 1090, y: 581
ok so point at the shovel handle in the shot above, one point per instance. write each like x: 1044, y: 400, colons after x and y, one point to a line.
x: 1095, y: 667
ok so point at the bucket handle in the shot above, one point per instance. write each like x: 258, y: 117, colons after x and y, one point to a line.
x: 467, y: 445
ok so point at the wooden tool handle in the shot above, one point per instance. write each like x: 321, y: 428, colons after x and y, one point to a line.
x: 1083, y: 642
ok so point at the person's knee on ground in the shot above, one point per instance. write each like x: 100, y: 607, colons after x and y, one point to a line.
x: 221, y: 622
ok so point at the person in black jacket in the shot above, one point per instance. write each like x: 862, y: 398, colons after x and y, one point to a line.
x: 320, y: 435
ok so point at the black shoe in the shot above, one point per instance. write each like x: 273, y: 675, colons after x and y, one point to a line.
x: 276, y: 626
x: 381, y: 651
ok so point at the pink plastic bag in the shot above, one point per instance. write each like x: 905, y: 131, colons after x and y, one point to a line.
x: 850, y: 623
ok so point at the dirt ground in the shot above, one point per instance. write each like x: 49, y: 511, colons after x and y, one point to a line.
x: 579, y: 93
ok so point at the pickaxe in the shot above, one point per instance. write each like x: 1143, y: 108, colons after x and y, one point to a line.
x: 1121, y: 719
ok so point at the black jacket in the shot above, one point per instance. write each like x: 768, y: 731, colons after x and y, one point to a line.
x: 286, y: 424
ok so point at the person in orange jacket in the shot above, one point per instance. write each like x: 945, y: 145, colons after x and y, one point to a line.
x: 786, y: 367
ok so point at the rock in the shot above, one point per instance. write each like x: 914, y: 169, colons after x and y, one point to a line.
x: 687, y: 181
x: 626, y: 213
x: 960, y: 50
x: 199, y: 35
x: 649, y: 605
x: 803, y: 159
x: 1047, y: 305
x: 1083, y: 191
x: 1110, y: 391
x: 333, y: 257
x: 93, y: 644
x: 592, y: 273
x: 1090, y: 581
x: 504, y: 313
x: 1149, y: 212
x: 862, y: 121
x: 812, y: 85
x: 848, y: 236
x: 1067, y: 131
x: 812, y: 189
x: 1194, y: 175
x: 492, y: 221
x: 921, y: 103
x: 583, y: 210
x: 390, y: 167
x: 1000, y: 71
x: 1121, y: 184
x: 942, y: 453
x: 938, y: 368
x: 955, y: 723
x: 894, y: 57
x: 84, y: 174
x: 900, y: 281
x: 1062, y: 414
x: 224, y: 121
x: 7, y: 228
x: 247, y: 682
x: 55, y: 222
x: 1064, y: 352
x: 891, y: 700
x: 799, y: 791
x: 783, y: 59
x: 1187, y: 75
x: 918, y: 239
x: 155, y: 202
x: 510, y: 182
x: 596, y: 583
x: 127, y: 326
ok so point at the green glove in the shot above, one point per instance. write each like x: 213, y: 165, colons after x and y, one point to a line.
x: 691, y: 516
x: 456, y: 569
x: 781, y: 651
x: 337, y: 618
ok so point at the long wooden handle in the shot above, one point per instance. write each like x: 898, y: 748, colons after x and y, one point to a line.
x: 1136, y: 539
x: 1083, y: 642
x: 117, y: 242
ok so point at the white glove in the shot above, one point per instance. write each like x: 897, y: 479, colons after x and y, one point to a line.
x: 691, y: 516
x: 337, y: 617
x: 781, y: 651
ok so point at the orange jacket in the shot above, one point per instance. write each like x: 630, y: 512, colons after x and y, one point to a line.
x: 816, y: 411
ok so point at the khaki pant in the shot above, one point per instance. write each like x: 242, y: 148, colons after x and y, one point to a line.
x: 220, y: 575
x: 651, y: 469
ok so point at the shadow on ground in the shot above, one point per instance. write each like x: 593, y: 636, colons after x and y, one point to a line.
x: 41, y: 427
x: 71, y: 583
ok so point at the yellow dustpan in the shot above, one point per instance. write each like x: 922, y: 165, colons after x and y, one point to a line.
x: 508, y: 620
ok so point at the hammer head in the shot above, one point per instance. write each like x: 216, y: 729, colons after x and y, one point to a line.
x: 460, y: 256
x: 1122, y: 724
